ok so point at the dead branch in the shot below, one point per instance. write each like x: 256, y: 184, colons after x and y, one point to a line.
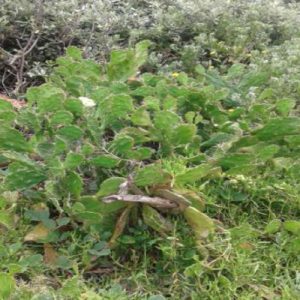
x: 18, y: 61
x: 153, y: 201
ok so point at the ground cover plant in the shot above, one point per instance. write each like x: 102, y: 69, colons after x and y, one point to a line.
x: 98, y: 152
x: 123, y: 181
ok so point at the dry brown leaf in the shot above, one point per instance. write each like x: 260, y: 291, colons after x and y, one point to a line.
x: 50, y: 255
x: 120, y: 226
x: 39, y: 232
x: 154, y: 201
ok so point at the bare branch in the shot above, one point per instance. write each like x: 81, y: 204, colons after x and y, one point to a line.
x: 153, y: 201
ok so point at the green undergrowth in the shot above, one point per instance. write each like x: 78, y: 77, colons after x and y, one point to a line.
x: 120, y: 185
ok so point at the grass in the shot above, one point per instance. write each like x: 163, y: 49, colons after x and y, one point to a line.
x: 244, y: 261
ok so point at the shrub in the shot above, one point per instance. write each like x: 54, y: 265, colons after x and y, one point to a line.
x: 185, y: 33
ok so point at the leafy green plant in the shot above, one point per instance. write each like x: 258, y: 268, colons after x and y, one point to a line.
x: 99, y: 148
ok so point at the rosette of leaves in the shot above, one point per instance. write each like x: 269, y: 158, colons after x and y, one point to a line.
x: 101, y: 147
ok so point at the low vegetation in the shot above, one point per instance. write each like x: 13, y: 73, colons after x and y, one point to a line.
x: 120, y: 177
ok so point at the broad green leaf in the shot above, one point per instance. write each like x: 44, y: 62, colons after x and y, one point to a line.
x: 165, y: 122
x: 245, y: 141
x: 279, y: 128
x: 7, y: 117
x: 7, y: 285
x: 70, y: 133
x: 201, y: 224
x: 183, y: 134
x: 169, y: 103
x: 273, y: 226
x: 141, y: 117
x: 189, y: 117
x: 29, y: 261
x: 6, y: 219
x: 46, y: 149
x: 37, y: 214
x: 61, y: 117
x: 182, y: 78
x: 115, y: 108
x: 18, y: 157
x: 3, y: 202
x: 121, y: 65
x: 253, y: 78
x: 284, y: 106
x: 144, y: 92
x: 155, y: 220
x: 75, y: 85
x: 151, y: 175
x: 105, y: 221
x: 47, y: 97
x: 121, y: 145
x: 12, y: 139
x: 63, y: 221
x: 125, y: 63
x: 118, y: 88
x: 150, y: 78
x: 236, y: 70
x: 73, y: 184
x: 5, y: 106
x: 87, y: 149
x: 267, y: 152
x: 110, y: 186
x: 21, y: 176
x: 193, y: 174
x: 74, y: 106
x: 74, y: 52
x: 141, y: 52
x: 194, y: 198
x: 139, y: 135
x: 215, y: 139
x: 216, y: 115
x: 294, y: 246
x: 292, y: 226
x: 73, y: 160
x: 92, y: 204
x: 236, y: 160
x: 105, y: 161
x: 267, y: 93
x: 140, y: 153
x: 260, y: 111
x: 28, y: 120
x: 246, y: 169
x: 152, y: 103
x: 199, y: 69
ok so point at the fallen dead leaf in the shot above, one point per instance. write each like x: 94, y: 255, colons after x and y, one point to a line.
x: 39, y: 232
x: 50, y: 255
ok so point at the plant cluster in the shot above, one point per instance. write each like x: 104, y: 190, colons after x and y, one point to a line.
x: 98, y: 148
